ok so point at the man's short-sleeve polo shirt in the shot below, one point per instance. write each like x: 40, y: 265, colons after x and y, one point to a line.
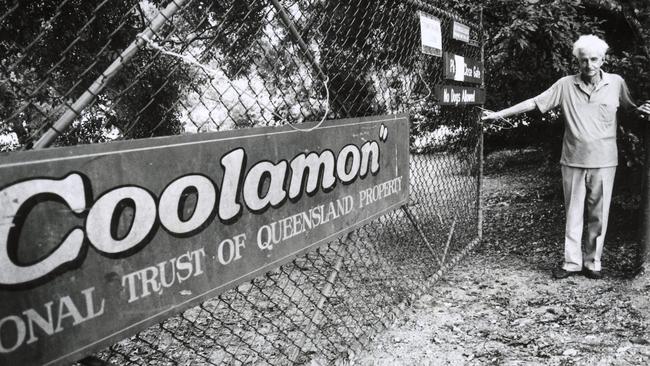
x: 590, y: 118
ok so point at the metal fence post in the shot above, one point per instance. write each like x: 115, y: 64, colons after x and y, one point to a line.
x: 644, y: 230
x: 481, y: 160
x: 315, y: 319
x: 74, y: 110
x: 303, y: 46
x: 423, y: 236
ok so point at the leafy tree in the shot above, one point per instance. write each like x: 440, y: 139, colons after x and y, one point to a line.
x: 52, y: 51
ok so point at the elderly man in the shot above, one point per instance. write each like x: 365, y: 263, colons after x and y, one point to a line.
x: 589, y: 101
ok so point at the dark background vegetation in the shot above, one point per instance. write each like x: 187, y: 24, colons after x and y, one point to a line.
x: 528, y: 47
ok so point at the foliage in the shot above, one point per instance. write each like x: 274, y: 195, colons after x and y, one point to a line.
x: 51, y: 51
x: 528, y: 47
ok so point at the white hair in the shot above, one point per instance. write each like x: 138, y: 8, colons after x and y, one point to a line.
x: 590, y: 42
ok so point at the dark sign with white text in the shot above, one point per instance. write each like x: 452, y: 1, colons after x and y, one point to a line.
x: 461, y: 68
x: 459, y: 95
x: 98, y: 242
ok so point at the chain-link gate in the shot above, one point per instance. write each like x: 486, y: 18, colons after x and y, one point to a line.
x: 75, y: 71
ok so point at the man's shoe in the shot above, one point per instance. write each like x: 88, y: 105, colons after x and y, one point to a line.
x: 594, y: 275
x: 559, y: 273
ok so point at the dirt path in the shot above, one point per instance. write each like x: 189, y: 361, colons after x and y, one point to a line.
x: 501, y: 306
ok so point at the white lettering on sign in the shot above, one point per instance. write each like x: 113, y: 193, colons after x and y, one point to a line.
x: 170, y: 201
x: 266, y: 184
x: 288, y: 227
x: 379, y: 191
x: 254, y: 183
x: 70, y: 189
x: 101, y: 235
x: 154, y: 279
x: 48, y: 320
x: 461, y: 69
x: 469, y: 97
x: 233, y: 164
x: 233, y: 252
x: 314, y: 164
x: 430, y: 34
x: 450, y: 95
x: 476, y: 72
x: 469, y: 72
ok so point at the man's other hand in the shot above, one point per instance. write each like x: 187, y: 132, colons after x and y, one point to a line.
x: 645, y: 109
x: 491, y: 116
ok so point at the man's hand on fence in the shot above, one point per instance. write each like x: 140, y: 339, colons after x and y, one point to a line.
x: 489, y: 115
x: 644, y: 109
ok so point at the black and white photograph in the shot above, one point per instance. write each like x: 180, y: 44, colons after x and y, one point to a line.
x: 324, y: 182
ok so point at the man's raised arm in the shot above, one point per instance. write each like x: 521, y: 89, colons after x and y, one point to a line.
x: 523, y: 107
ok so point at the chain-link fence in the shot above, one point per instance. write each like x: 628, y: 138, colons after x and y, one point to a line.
x: 75, y: 71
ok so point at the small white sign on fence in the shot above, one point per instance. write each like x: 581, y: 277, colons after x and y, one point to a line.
x: 430, y: 35
x: 461, y: 68
x: 460, y: 32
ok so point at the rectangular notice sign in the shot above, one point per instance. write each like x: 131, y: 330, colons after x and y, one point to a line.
x: 461, y: 68
x: 430, y: 34
x: 98, y: 242
x: 459, y: 95
x: 460, y: 32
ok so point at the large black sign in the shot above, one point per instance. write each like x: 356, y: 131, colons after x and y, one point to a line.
x: 98, y: 242
x: 459, y: 95
x: 461, y: 68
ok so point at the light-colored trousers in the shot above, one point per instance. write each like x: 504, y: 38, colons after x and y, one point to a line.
x: 591, y: 187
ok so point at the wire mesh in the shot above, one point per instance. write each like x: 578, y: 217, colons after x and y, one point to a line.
x: 219, y: 65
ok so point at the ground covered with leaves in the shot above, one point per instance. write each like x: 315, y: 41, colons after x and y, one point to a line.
x: 501, y: 306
